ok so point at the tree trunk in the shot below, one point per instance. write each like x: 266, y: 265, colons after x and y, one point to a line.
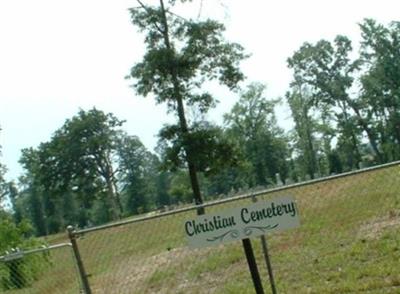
x: 368, y: 131
x: 113, y: 200
x: 312, y: 164
x: 182, y: 119
x: 352, y: 136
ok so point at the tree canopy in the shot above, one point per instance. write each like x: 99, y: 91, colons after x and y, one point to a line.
x: 253, y: 123
x: 89, y: 172
x: 181, y: 56
x: 345, y: 108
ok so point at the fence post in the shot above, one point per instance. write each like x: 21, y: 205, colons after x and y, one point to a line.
x: 78, y: 259
x: 267, y: 259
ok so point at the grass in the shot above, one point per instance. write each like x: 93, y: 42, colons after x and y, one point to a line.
x: 348, y: 242
x: 58, y: 273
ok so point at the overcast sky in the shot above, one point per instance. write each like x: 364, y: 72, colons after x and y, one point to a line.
x: 58, y: 56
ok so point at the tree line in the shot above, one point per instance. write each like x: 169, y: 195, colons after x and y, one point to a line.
x: 345, y: 107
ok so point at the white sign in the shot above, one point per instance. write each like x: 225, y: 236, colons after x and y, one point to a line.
x: 242, y: 222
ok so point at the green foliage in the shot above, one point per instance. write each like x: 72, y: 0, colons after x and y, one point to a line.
x: 30, y: 199
x: 73, y: 170
x: 12, y: 235
x: 197, y: 52
x: 90, y: 172
x: 212, y: 150
x: 380, y: 53
x: 252, y: 123
x: 327, y: 70
x: 18, y: 273
x: 138, y: 168
x: 180, y: 190
x: 181, y: 56
x: 162, y: 184
x: 370, y: 114
x: 312, y: 134
x: 253, y: 113
x: 300, y: 103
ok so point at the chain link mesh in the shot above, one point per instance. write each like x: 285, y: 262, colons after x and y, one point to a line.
x: 348, y: 241
x: 49, y: 270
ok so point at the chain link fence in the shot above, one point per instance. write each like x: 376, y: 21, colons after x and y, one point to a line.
x: 348, y: 242
x: 45, y: 270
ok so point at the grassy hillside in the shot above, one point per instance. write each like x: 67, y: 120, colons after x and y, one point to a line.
x: 348, y: 242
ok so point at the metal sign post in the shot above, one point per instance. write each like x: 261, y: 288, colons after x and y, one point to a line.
x: 267, y: 260
x: 255, y: 275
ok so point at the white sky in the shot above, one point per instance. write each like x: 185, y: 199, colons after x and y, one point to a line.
x: 58, y: 56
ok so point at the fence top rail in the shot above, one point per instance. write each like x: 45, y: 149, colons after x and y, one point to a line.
x: 31, y: 251
x: 236, y: 198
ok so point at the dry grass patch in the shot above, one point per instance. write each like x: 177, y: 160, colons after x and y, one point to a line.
x: 375, y: 228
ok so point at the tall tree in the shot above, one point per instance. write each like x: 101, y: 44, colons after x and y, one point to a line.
x: 329, y: 72
x: 13, y: 194
x: 78, y: 159
x: 312, y: 135
x: 380, y: 53
x: 90, y: 172
x: 138, y: 175
x: 300, y: 103
x: 181, y: 55
x: 253, y: 123
x: 32, y: 190
x: 91, y: 137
